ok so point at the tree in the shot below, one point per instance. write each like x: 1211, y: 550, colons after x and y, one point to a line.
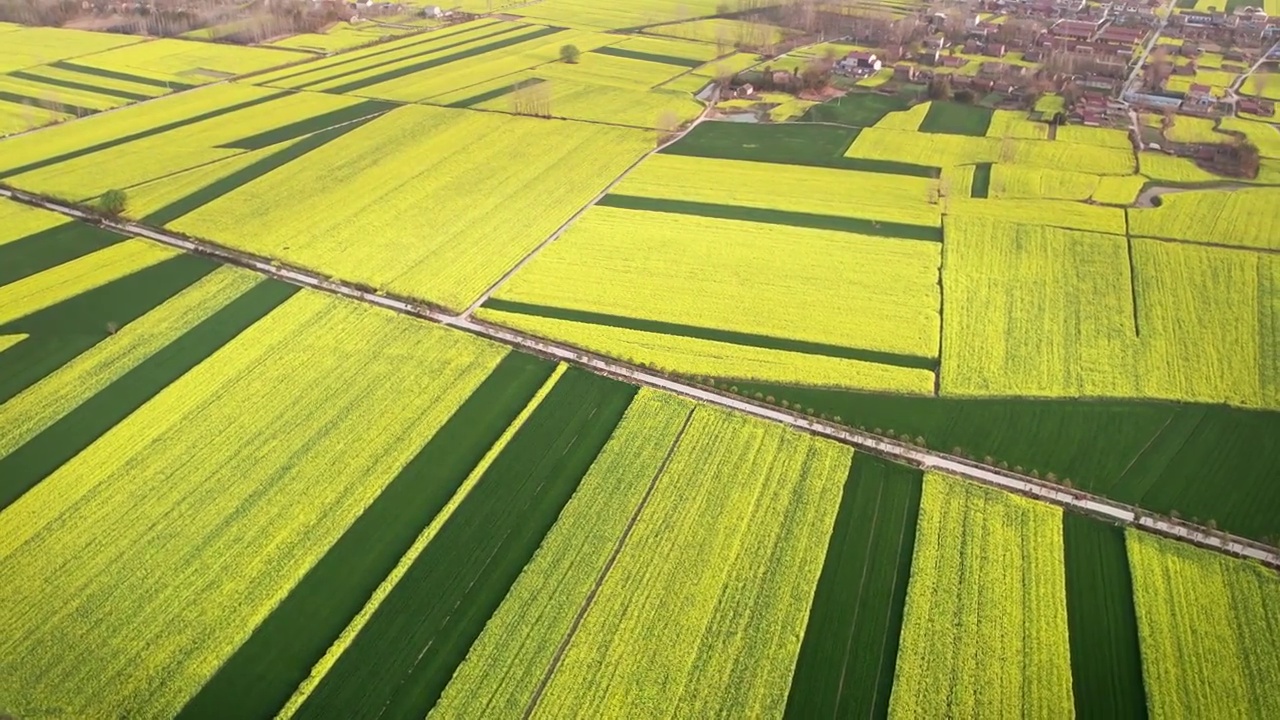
x: 113, y: 202
x: 570, y: 54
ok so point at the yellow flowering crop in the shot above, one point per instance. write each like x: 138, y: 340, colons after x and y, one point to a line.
x: 18, y: 221
x: 820, y: 286
x: 1019, y: 182
x: 1102, y: 137
x: 188, y: 61
x: 37, y: 292
x: 1264, y: 136
x: 1057, y: 213
x: 248, y: 467
x: 1209, y: 626
x: 939, y: 150
x: 612, y: 16
x: 703, y: 613
x: 1244, y: 218
x: 984, y: 629
x: 1161, y: 167
x: 730, y: 65
x: 610, y: 70
x: 776, y: 186
x: 909, y: 119
x: 508, y: 660
x: 24, y: 47
x: 1015, y: 124
x: 1186, y: 129
x: 1118, y: 189
x: 16, y: 117
x: 60, y: 95
x: 604, y: 103
x: 956, y: 181
x: 42, y: 404
x: 722, y: 31
x: 670, y: 47
x: 428, y: 202
x: 696, y: 357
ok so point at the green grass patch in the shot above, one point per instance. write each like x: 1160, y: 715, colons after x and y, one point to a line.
x: 61, y: 332
x: 649, y: 57
x: 846, y: 662
x: 117, y: 75
x: 49, y: 248
x: 401, y: 660
x: 37, y: 458
x: 859, y: 109
x: 260, y: 677
x: 704, y: 333
x: 1204, y: 462
x: 53, y: 105
x: 775, y: 217
x: 789, y: 143
x: 1106, y: 664
x: 954, y: 118
x: 73, y: 85
x: 981, y: 180
x: 495, y: 93
x: 245, y: 175
x: 149, y: 132
x: 325, y: 121
x: 417, y: 67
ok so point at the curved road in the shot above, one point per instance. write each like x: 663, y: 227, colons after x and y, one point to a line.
x: 909, y: 454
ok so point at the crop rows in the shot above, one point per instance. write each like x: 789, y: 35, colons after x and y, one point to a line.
x: 985, y: 625
x: 39, y: 291
x: 1245, y: 218
x: 1209, y: 627
x: 1014, y: 181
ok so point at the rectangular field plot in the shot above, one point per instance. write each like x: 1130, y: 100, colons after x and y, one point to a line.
x: 631, y: 14
x: 1209, y: 626
x: 702, y: 613
x: 249, y: 467
x: 730, y: 361
x: 573, y: 100
x: 1017, y: 182
x: 1243, y: 218
x: 454, y: 198
x: 984, y: 632
x: 880, y: 199
x: 787, y: 288
x: 846, y: 662
x: 181, y: 63
x: 886, y: 144
x: 25, y: 47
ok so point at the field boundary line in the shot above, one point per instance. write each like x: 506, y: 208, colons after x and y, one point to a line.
x: 877, y: 445
x: 862, y: 584
x: 603, y: 575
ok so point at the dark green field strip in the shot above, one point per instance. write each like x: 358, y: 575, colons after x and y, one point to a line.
x: 396, y: 73
x: 787, y: 143
x: 847, y: 658
x: 247, y: 174
x: 73, y: 85
x: 981, y: 180
x: 774, y: 217
x: 704, y: 333
x: 259, y: 678
x: 1207, y: 462
x: 858, y: 109
x: 1106, y: 665
x: 649, y: 57
x: 63, y: 331
x: 295, y: 130
x: 53, y: 105
x: 116, y: 75
x: 49, y: 248
x: 426, y: 39
x: 401, y: 660
x: 952, y: 118
x: 43, y: 454
x: 208, y: 115
x: 495, y: 93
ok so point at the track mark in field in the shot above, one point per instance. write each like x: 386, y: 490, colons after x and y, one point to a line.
x: 604, y: 571
x: 862, y: 583
x: 884, y: 639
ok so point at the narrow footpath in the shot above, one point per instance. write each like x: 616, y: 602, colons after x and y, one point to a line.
x: 919, y: 457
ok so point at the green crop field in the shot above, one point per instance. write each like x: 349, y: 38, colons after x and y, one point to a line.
x: 522, y: 361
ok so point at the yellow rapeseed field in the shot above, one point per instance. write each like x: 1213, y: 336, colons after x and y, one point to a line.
x: 40, y: 405
x: 1118, y: 189
x: 428, y: 202
x: 909, y: 119
x: 604, y: 103
x: 1015, y: 124
x: 939, y: 150
x: 696, y: 357
x: 1018, y: 182
x: 18, y: 221
x: 795, y: 188
x: 197, y: 514
x: 787, y: 282
x: 188, y: 61
x: 25, y: 47
x: 1264, y: 136
x: 1244, y: 218
x: 1054, y: 213
x: 36, y: 292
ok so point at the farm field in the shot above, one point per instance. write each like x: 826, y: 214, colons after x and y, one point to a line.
x: 987, y: 585
x: 260, y: 499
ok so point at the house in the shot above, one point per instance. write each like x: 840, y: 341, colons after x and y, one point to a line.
x: 996, y: 50
x: 859, y: 60
x: 953, y: 61
x: 1255, y: 106
x: 1073, y: 29
x: 993, y: 69
x: 1034, y: 55
x: 432, y: 11
x: 905, y: 72
x: 972, y: 47
x: 746, y: 90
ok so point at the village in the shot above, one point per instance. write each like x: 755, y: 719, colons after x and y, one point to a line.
x: 1141, y: 66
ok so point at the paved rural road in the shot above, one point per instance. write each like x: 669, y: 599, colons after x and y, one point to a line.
x: 1142, y: 59
x: 920, y: 457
